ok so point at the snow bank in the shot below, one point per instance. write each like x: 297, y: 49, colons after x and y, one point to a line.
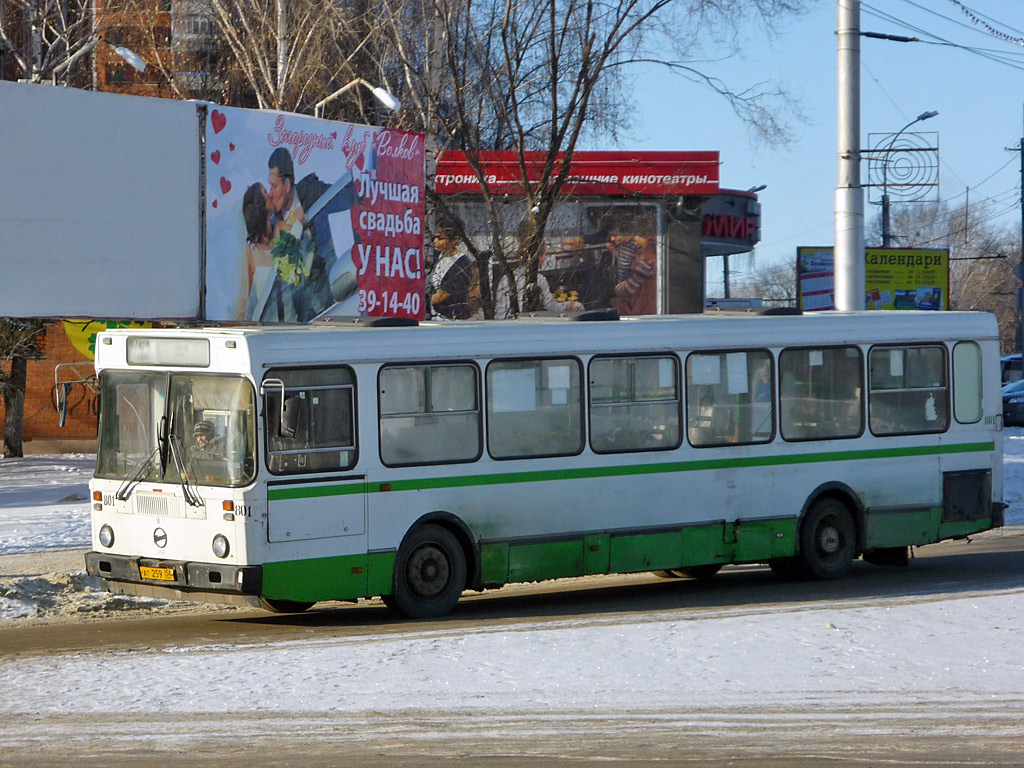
x: 44, y: 502
x: 954, y: 650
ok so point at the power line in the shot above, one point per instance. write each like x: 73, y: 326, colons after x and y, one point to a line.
x: 981, y: 21
x: 985, y: 53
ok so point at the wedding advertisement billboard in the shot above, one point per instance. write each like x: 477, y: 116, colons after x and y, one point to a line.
x: 309, y: 218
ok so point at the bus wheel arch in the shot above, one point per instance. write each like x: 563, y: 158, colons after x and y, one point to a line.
x: 828, y: 538
x: 462, y: 532
x: 845, y: 495
x: 430, y: 573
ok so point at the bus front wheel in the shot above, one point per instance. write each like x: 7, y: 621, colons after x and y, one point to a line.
x: 430, y: 574
x: 828, y: 540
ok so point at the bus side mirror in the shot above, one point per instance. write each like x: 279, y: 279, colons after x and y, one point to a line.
x: 291, y: 413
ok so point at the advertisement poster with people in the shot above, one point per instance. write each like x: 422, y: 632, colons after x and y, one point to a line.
x: 309, y: 218
x: 595, y: 256
x: 894, y: 278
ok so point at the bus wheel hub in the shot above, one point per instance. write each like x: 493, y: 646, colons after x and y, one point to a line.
x: 428, y: 571
x: 828, y: 540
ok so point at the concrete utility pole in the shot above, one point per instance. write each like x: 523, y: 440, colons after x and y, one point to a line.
x: 1020, y: 292
x: 849, y: 210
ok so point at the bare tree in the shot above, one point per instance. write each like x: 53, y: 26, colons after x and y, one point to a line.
x: 982, y: 256
x: 545, y: 76
x: 50, y: 40
x: 291, y: 53
x: 19, y: 343
x: 776, y: 284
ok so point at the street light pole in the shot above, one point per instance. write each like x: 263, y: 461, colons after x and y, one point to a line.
x: 886, y: 227
x: 849, y: 199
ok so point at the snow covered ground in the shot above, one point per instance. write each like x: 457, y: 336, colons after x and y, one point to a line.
x: 850, y: 654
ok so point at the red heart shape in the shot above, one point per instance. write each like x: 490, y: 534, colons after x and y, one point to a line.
x: 225, y: 185
x: 231, y: 147
x: 218, y: 120
x: 215, y: 156
x: 214, y: 203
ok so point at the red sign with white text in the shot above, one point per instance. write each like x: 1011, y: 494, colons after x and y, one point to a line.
x: 590, y: 173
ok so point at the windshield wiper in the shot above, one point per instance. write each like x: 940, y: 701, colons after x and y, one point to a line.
x: 188, y: 488
x: 126, y: 488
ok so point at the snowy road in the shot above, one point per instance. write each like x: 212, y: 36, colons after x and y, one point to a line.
x: 919, y: 667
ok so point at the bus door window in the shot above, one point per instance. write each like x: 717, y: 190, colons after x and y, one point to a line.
x: 534, y: 408
x: 821, y: 393
x: 634, y: 404
x: 908, y: 390
x: 318, y: 432
x: 429, y: 414
x: 729, y: 398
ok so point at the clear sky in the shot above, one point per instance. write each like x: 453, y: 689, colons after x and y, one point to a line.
x: 979, y: 94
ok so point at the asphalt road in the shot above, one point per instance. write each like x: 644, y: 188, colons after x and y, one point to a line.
x: 800, y: 735
x: 991, y: 561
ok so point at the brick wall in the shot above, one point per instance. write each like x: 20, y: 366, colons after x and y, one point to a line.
x: 41, y: 433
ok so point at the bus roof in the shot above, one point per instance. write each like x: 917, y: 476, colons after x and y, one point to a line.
x: 337, y: 341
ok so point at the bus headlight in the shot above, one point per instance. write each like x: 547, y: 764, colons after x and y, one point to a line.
x: 107, y: 536
x: 220, y: 545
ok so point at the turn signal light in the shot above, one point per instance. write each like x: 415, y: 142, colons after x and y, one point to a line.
x: 97, y: 496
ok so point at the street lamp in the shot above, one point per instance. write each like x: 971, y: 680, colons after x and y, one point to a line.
x: 131, y: 57
x: 383, y: 96
x: 886, y: 233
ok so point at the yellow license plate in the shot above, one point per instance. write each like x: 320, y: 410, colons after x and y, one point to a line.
x: 157, y: 574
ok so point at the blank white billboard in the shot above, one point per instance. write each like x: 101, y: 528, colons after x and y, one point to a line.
x: 99, y: 205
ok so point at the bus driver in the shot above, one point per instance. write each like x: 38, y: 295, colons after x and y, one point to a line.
x: 207, y: 445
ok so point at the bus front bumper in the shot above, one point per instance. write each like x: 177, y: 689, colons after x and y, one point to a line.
x: 177, y: 579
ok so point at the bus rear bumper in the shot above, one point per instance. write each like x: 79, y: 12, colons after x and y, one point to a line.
x: 198, y: 582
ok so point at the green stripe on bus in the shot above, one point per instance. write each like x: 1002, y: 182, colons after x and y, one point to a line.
x: 587, y: 473
x: 312, y: 492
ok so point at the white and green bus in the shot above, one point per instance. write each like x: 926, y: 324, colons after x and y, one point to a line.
x: 282, y: 466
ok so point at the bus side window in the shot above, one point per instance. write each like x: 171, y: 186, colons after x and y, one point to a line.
x: 908, y: 390
x: 318, y: 431
x: 967, y: 387
x: 729, y: 398
x: 821, y: 393
x: 429, y: 414
x: 534, y: 408
x: 634, y: 404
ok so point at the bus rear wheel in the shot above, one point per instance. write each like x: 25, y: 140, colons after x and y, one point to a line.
x: 828, y: 540
x: 430, y: 574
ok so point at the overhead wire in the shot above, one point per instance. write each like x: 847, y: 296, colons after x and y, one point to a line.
x: 934, y: 39
x: 999, y: 57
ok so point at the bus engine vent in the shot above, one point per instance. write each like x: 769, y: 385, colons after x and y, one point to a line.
x: 158, y: 505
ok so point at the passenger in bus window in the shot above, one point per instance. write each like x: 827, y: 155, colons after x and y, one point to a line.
x: 762, y: 402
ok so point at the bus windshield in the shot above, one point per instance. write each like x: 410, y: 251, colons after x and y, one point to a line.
x: 176, y: 427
